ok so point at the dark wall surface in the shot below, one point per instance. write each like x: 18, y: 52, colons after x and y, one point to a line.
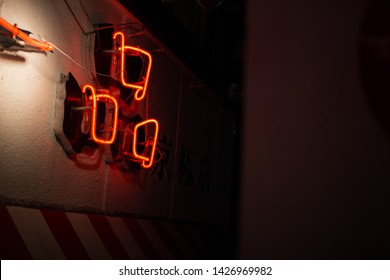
x: 316, y: 158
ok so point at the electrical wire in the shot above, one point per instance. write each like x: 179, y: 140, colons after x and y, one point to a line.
x: 78, y: 64
x: 120, y: 26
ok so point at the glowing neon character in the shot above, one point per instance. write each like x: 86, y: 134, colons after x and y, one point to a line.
x: 140, y: 87
x: 147, y: 161
x: 94, y: 107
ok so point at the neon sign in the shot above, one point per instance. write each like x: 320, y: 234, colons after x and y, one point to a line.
x: 147, y: 161
x: 101, y: 132
x: 132, y: 139
x: 16, y: 32
x: 140, y: 87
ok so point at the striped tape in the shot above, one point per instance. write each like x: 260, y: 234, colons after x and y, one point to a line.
x: 27, y: 233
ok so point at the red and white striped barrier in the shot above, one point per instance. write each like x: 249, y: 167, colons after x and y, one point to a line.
x: 27, y: 233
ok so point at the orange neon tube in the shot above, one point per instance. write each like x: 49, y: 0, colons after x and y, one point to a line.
x: 43, y: 46
x: 140, y: 89
x: 147, y: 162
x: 95, y: 97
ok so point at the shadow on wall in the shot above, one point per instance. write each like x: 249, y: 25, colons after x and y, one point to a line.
x: 14, y: 57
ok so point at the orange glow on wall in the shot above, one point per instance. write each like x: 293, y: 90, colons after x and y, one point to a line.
x: 105, y: 98
x: 147, y: 161
x: 43, y: 46
x: 141, y: 86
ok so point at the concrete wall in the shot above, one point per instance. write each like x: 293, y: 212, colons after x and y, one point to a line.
x: 315, y: 180
x: 34, y: 169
